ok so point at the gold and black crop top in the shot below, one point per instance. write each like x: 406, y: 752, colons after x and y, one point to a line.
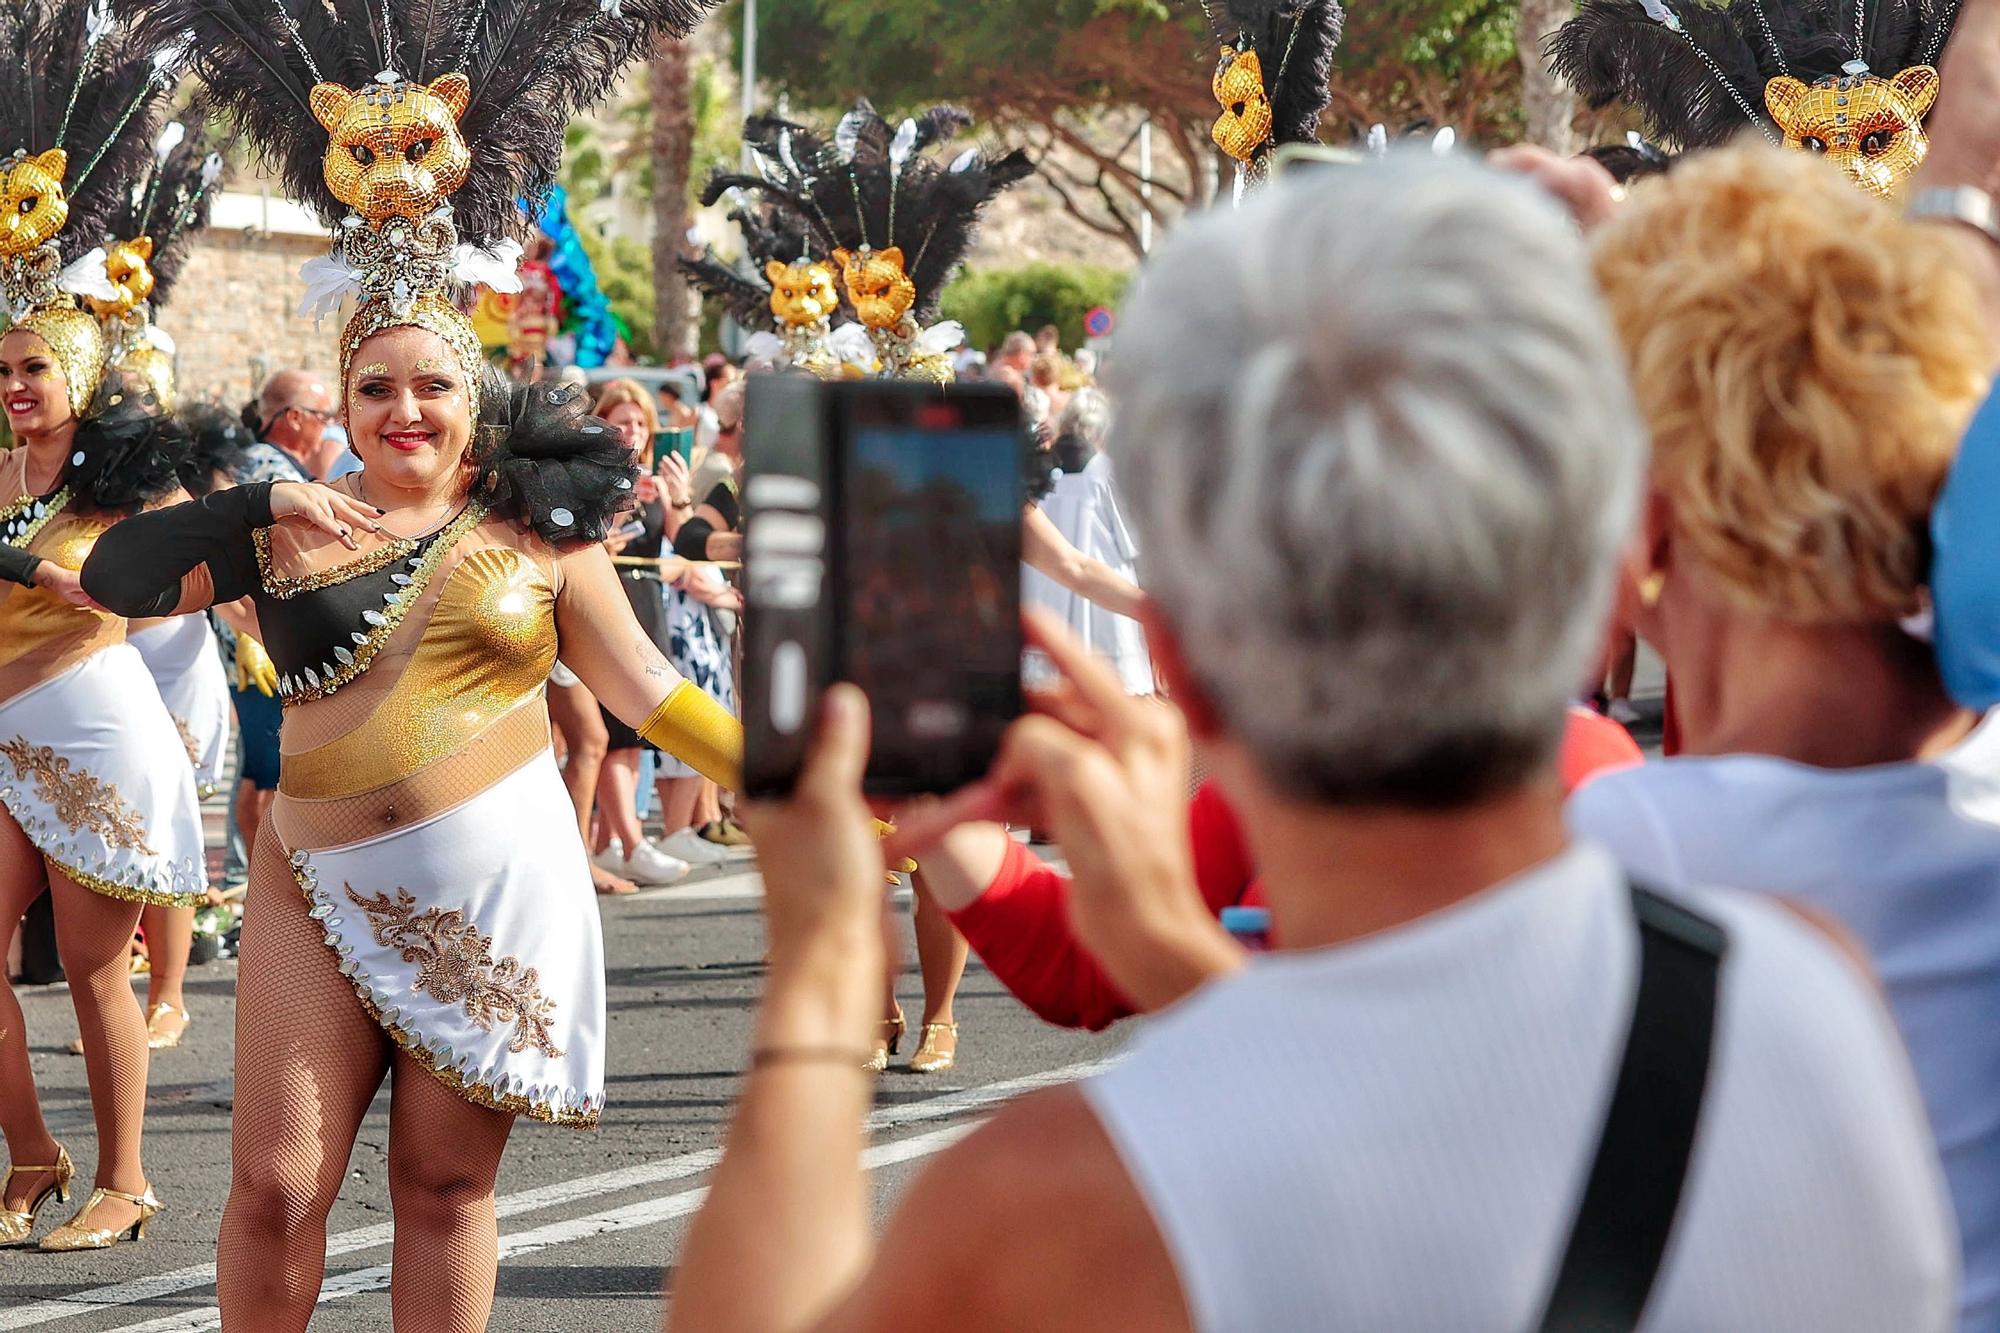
x: 41, y: 634
x: 417, y: 651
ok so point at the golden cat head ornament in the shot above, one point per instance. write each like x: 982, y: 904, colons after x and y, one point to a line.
x: 127, y: 265
x: 801, y: 293
x: 1871, y: 128
x: 394, y: 148
x: 877, y: 287
x: 1245, y: 123
x: 33, y: 206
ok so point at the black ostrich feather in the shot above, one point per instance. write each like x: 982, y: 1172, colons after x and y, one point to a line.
x: 748, y: 302
x: 1294, y: 41
x: 216, y: 442
x: 1616, y: 51
x: 818, y: 192
x: 531, y: 63
x: 171, y: 199
x: 106, y: 130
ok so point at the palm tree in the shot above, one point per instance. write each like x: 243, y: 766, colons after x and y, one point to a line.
x: 676, y: 313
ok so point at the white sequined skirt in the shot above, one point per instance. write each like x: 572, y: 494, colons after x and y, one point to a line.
x: 94, y: 771
x: 186, y: 665
x: 473, y: 938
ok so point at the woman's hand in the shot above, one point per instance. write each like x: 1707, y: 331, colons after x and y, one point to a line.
x: 820, y: 858
x: 672, y: 471
x: 307, y: 504
x: 715, y: 593
x: 1580, y: 184
x: 617, y: 541
x: 64, y: 583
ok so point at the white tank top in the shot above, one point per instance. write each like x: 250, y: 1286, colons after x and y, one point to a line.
x: 1393, y: 1134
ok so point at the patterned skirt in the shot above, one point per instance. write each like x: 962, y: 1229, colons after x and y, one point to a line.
x: 94, y: 772
x: 473, y: 939
x: 181, y: 654
x: 701, y: 654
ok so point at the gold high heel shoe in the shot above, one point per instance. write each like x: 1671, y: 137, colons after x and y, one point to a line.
x: 157, y: 1040
x: 933, y: 1056
x: 887, y: 1042
x: 76, y: 1234
x: 15, y: 1226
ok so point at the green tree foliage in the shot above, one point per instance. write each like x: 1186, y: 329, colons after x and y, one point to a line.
x: 992, y: 303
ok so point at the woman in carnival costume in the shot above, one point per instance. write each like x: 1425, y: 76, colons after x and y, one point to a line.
x: 97, y: 801
x: 855, y: 235
x: 420, y: 904
x: 151, y: 234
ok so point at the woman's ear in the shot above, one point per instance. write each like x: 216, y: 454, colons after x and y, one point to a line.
x: 1203, y: 720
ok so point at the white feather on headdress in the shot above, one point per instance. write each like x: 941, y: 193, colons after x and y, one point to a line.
x: 86, y: 276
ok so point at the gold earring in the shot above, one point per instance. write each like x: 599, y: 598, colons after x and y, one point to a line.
x: 1650, y: 589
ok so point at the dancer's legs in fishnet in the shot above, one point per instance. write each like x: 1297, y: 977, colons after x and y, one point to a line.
x: 308, y: 1062
x: 22, y: 878
x: 169, y: 937
x: 94, y: 938
x: 444, y: 1153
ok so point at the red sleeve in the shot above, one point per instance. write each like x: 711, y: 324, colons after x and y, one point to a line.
x: 1020, y: 929
x: 1020, y: 926
x: 1593, y: 744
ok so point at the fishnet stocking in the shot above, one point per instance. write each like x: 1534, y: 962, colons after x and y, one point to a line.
x: 94, y: 938
x: 22, y: 879
x: 309, y: 1060
x: 169, y: 937
x: 444, y: 1153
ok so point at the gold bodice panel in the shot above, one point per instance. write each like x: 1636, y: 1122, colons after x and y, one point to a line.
x: 41, y: 635
x: 484, y: 654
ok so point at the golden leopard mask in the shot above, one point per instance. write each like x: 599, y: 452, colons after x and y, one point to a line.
x: 33, y: 206
x: 801, y: 294
x: 126, y: 265
x: 877, y: 287
x: 1871, y: 128
x: 394, y: 147
x: 1245, y: 123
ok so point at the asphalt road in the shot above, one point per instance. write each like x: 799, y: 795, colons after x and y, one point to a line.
x: 589, y: 1219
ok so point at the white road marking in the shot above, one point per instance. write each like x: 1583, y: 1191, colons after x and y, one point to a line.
x: 680, y: 1167
x: 652, y: 1212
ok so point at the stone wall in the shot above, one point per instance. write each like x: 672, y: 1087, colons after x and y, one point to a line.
x: 232, y: 317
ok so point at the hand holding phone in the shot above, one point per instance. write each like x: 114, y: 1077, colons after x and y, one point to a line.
x: 882, y: 547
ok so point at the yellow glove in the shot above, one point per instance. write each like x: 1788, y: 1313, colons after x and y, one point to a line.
x: 699, y: 732
x: 254, y: 667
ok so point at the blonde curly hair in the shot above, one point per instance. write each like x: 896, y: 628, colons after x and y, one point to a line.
x: 1805, y: 360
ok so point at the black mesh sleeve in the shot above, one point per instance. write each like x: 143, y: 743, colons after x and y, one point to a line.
x: 17, y: 566
x: 137, y: 566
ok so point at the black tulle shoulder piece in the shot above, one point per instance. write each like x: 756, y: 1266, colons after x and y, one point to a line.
x: 549, y: 465
x: 131, y: 452
x: 216, y: 442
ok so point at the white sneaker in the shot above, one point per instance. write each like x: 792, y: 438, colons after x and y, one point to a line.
x: 611, y: 858
x: 1622, y: 712
x: 692, y: 848
x: 649, y: 865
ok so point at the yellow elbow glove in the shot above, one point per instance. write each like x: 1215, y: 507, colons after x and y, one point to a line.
x: 699, y: 732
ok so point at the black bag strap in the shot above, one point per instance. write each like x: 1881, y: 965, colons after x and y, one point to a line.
x: 1635, y: 1182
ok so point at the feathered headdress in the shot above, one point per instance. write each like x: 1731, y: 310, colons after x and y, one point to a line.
x: 1851, y: 82
x: 890, y: 215
x: 151, y: 233
x: 77, y: 110
x: 1272, y: 75
x: 413, y: 130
